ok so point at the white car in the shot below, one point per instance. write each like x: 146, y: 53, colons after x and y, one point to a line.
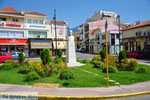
x: 16, y: 54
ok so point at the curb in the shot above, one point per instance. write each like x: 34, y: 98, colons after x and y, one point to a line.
x: 93, y: 97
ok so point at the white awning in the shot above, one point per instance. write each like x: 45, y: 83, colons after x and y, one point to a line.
x: 60, y: 44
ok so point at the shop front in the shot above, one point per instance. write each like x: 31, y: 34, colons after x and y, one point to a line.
x: 14, y: 45
x: 36, y: 45
x: 61, y: 45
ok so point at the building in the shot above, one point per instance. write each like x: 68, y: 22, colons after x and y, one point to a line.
x: 93, y: 27
x: 30, y: 32
x: 137, y: 37
x: 13, y: 35
x: 38, y: 32
x: 61, y: 31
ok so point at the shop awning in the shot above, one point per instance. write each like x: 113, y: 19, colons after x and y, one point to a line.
x: 13, y: 41
x: 60, y: 44
x: 40, y: 44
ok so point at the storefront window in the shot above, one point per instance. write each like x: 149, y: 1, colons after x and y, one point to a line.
x: 31, y: 35
x: 11, y: 34
x: 37, y: 34
x: 43, y: 35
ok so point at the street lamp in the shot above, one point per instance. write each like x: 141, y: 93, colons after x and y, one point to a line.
x: 119, y: 31
x: 54, y: 18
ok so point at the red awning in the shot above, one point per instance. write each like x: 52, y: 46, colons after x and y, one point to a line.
x: 13, y: 41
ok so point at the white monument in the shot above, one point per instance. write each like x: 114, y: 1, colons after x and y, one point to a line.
x: 71, y: 54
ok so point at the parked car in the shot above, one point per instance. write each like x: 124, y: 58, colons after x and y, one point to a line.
x: 82, y: 50
x: 135, y: 54
x: 16, y: 54
x: 5, y: 56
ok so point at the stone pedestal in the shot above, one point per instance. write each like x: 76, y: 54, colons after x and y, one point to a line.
x: 71, y: 54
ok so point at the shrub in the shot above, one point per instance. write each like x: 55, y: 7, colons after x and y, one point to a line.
x: 32, y: 76
x: 111, y: 69
x: 21, y: 57
x: 123, y: 65
x: 96, y: 58
x: 26, y: 69
x: 66, y: 75
x: 85, y: 61
x: 45, y: 56
x: 141, y: 70
x: 112, y: 60
x: 132, y: 65
x: 6, y: 66
x: 103, y: 54
x: 59, y: 53
x: 122, y: 55
x: 59, y: 61
x: 98, y: 64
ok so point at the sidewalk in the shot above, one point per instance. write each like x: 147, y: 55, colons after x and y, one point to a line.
x: 94, y: 91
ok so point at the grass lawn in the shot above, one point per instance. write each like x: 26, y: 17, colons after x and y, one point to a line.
x: 82, y: 78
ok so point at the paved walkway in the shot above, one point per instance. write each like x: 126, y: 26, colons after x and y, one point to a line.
x: 101, y: 91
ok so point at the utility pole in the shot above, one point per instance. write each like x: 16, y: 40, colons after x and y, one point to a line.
x: 54, y: 18
x: 119, y: 31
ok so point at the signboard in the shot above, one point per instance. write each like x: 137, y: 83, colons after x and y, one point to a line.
x: 36, y: 26
x: 13, y: 41
x: 13, y: 24
x: 99, y: 24
x: 40, y: 44
x: 60, y: 29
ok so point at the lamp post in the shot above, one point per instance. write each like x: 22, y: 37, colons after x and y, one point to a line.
x: 119, y: 31
x: 54, y: 18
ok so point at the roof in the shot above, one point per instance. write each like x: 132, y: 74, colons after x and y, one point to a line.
x: 35, y: 13
x: 9, y: 10
x: 146, y: 23
x: 61, y: 22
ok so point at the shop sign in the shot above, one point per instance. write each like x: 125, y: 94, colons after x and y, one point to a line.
x: 60, y: 29
x: 13, y: 24
x: 10, y: 24
x: 13, y: 41
x: 40, y: 44
x: 37, y: 26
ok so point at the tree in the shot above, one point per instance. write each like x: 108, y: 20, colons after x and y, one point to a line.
x: 122, y: 55
x: 45, y: 56
x: 103, y: 54
x: 59, y: 53
x: 21, y: 57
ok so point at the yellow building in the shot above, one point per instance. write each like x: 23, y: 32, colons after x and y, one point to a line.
x: 137, y: 37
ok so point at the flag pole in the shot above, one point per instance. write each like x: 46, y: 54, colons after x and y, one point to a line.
x: 106, y: 52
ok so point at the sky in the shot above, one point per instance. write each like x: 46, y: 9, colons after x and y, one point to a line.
x: 75, y: 12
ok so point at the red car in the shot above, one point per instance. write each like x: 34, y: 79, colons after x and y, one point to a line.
x: 135, y: 54
x: 5, y: 56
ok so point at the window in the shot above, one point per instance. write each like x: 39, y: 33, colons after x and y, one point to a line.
x: 31, y: 34
x: 37, y: 34
x: 0, y: 54
x: 11, y: 34
x: 103, y: 37
x: 35, y: 21
x: 117, y: 36
x: 28, y: 20
x: 41, y: 21
x: 19, y: 34
x: 15, y: 20
x: 3, y: 19
x: 4, y: 33
x: 126, y: 47
x: 43, y: 35
x: 5, y: 54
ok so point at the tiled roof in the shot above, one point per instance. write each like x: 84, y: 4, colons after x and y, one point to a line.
x: 62, y: 22
x: 9, y: 10
x: 35, y: 13
x: 146, y: 23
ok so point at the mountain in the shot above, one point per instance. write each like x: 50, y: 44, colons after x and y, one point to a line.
x: 75, y: 29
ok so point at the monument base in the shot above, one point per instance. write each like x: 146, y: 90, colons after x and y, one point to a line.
x: 75, y: 64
